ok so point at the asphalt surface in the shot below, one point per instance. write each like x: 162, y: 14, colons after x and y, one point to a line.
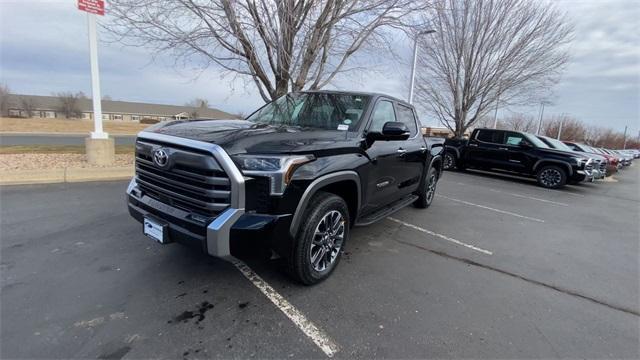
x: 51, y: 139
x: 495, y: 268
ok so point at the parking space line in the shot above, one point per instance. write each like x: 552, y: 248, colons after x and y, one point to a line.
x: 530, y: 197
x: 492, y: 209
x: 319, y: 337
x: 444, y: 237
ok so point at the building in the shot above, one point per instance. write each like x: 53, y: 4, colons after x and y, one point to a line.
x: 51, y: 107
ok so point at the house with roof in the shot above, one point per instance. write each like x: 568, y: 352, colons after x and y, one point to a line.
x: 36, y: 106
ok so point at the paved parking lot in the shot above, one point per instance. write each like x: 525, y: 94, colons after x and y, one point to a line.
x: 496, y: 268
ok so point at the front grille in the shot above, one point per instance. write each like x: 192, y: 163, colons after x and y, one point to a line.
x: 588, y: 167
x: 603, y: 166
x: 192, y: 181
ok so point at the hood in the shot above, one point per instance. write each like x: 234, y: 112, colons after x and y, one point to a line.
x: 241, y: 136
x: 562, y: 153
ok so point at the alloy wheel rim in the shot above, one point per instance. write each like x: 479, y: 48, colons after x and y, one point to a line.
x: 327, y: 241
x: 551, y: 177
x: 448, y: 161
x: 431, y: 188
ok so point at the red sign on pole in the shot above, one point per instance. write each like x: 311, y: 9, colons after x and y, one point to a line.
x: 92, y: 6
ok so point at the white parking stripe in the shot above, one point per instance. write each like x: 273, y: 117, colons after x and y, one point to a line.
x: 328, y: 346
x: 530, y: 198
x: 492, y: 209
x: 444, y: 237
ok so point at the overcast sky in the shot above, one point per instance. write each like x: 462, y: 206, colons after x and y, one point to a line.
x: 44, y: 50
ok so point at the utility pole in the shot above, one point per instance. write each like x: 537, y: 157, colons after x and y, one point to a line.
x: 624, y: 146
x: 415, y: 61
x: 540, y: 120
x: 495, y: 115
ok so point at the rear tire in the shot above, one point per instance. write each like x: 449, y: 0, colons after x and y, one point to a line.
x: 551, y: 177
x: 320, y: 240
x: 428, y: 189
x: 449, y: 161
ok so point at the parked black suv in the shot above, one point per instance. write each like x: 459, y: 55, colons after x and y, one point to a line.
x: 517, y: 152
x: 295, y: 176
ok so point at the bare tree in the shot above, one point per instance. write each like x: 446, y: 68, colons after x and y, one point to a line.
x: 279, y: 45
x: 198, y: 103
x: 519, y: 122
x: 572, y: 128
x: 28, y: 105
x: 484, y: 51
x: 68, y: 104
x: 4, y: 100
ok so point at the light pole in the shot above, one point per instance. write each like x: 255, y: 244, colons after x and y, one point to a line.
x: 415, y: 60
x: 540, y: 120
x: 560, y: 128
x: 624, y: 145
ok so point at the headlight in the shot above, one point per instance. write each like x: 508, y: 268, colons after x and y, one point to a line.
x: 279, y: 168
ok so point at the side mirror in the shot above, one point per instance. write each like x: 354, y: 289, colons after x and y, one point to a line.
x: 394, y: 130
x: 391, y: 130
x: 524, y: 145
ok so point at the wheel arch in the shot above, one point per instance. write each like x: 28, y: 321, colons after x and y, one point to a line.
x: 345, y: 184
x: 563, y: 164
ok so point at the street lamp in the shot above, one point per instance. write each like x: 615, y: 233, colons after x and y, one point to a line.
x: 415, y: 60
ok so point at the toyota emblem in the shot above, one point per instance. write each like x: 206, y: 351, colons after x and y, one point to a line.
x: 160, y: 157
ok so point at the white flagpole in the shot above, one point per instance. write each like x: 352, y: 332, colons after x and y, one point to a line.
x: 95, y: 79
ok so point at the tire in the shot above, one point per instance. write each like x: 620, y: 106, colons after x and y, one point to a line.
x: 428, y: 189
x: 551, y: 177
x: 449, y: 162
x: 314, y: 237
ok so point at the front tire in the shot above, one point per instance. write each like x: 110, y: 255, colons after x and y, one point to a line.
x: 428, y: 190
x: 320, y: 239
x: 551, y: 177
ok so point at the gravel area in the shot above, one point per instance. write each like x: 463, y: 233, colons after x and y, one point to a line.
x: 54, y: 161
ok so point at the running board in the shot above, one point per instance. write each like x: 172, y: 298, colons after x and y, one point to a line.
x: 386, y: 210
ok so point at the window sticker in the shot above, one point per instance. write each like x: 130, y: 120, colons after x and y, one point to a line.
x: 513, y: 140
x: 346, y: 122
x: 343, y: 127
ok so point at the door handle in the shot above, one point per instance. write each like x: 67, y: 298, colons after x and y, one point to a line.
x: 503, y: 148
x: 423, y: 148
x: 474, y: 145
x: 401, y: 151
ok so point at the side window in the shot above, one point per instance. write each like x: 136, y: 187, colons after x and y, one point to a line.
x: 514, y: 139
x: 405, y: 115
x: 381, y: 114
x: 490, y: 136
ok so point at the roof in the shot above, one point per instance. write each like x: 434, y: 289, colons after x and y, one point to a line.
x: 120, y: 107
x: 363, y: 93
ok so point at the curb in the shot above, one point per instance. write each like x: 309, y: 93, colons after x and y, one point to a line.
x: 65, y: 175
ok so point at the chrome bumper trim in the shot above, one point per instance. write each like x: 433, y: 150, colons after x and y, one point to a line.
x: 218, y: 231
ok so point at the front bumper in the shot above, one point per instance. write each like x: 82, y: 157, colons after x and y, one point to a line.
x: 221, y: 236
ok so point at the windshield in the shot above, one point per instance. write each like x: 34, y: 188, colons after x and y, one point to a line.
x: 314, y: 110
x: 537, y: 142
x: 557, y: 144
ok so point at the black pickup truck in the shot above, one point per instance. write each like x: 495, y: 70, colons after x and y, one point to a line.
x: 520, y: 153
x: 295, y: 176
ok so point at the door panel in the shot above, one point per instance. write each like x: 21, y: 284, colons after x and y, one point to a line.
x: 487, y: 150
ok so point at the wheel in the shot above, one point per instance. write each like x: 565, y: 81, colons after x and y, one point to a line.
x: 449, y: 162
x: 551, y: 177
x: 428, y: 191
x: 320, y: 239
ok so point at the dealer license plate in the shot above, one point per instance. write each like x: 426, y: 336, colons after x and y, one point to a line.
x: 154, y: 230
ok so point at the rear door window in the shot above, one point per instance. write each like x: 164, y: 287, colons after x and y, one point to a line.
x: 490, y: 136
